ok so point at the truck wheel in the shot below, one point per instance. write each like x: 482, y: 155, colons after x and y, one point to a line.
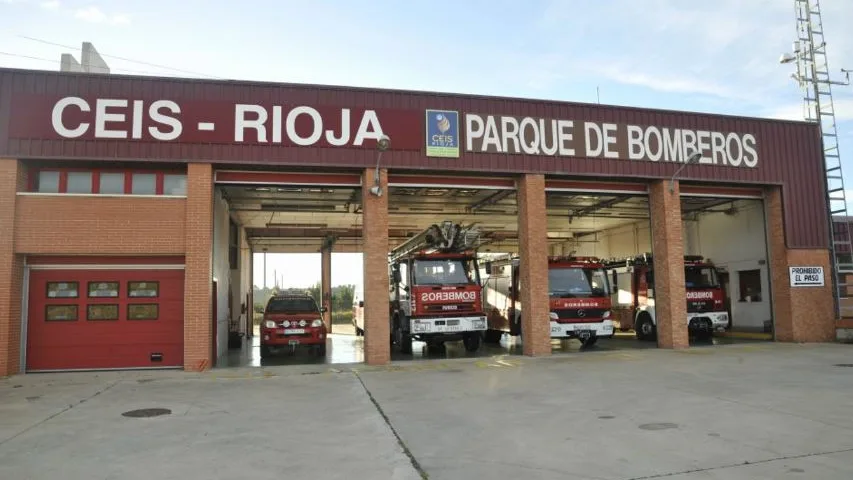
x: 645, y: 327
x: 403, y: 341
x: 493, y: 336
x: 265, y: 351
x: 590, y: 341
x: 321, y: 350
x: 472, y: 341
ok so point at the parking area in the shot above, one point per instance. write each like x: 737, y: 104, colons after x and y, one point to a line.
x: 630, y: 414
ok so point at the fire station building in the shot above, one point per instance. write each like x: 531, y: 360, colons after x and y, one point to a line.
x: 130, y: 206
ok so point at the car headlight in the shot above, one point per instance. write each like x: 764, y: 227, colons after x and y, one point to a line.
x: 553, y: 316
x: 269, y: 324
x: 606, y: 314
x: 302, y: 323
x: 317, y: 323
x: 286, y: 323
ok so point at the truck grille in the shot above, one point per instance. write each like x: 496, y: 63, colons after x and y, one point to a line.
x: 579, y: 314
x: 449, y: 308
x: 694, y: 306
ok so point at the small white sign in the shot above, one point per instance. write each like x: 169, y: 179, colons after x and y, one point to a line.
x: 806, y: 276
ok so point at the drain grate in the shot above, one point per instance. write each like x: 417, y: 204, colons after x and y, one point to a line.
x: 147, y: 412
x: 849, y: 365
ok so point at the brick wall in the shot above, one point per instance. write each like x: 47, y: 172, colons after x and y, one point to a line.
x: 61, y: 224
x: 198, y: 319
x: 800, y: 314
x: 377, y: 348
x: 12, y: 179
x: 668, y: 252
x: 533, y: 265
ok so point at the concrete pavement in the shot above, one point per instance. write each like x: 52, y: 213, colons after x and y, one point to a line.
x: 726, y: 412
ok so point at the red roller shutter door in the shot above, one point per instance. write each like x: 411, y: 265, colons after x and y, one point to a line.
x: 108, y: 318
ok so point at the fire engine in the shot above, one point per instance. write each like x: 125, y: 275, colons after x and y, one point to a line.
x: 579, y: 301
x: 634, y: 298
x: 435, y: 288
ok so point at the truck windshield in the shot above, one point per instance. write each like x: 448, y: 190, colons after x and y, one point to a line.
x: 292, y: 305
x: 577, y: 282
x: 700, y: 277
x: 451, y: 271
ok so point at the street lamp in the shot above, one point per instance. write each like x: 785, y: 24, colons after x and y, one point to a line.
x: 692, y: 158
x: 381, y: 145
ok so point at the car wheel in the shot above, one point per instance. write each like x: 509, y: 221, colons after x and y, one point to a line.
x: 472, y: 341
x: 645, y: 328
x: 403, y: 341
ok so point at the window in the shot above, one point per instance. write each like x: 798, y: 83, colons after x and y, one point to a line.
x: 144, y: 184
x: 103, y: 289
x: 60, y: 313
x: 79, y: 182
x: 139, y: 311
x: 112, y: 183
x: 108, y: 182
x: 62, y: 290
x: 143, y: 289
x: 174, y: 184
x: 47, y: 182
x: 102, y: 312
x: 292, y: 305
x: 750, y: 285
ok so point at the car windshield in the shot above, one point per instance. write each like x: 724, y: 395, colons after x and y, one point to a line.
x: 452, y: 271
x: 292, y: 305
x: 700, y: 277
x: 577, y: 282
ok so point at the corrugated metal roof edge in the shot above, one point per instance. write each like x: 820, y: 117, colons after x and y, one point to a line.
x: 258, y: 83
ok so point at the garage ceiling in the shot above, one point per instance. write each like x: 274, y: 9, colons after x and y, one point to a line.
x: 299, y: 218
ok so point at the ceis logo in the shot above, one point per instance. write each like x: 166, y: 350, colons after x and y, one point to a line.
x: 442, y: 133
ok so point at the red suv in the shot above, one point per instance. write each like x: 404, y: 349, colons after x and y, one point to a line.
x: 291, y: 321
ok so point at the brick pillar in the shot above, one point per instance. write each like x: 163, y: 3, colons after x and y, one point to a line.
x: 668, y: 252
x: 377, y: 333
x: 800, y: 314
x: 533, y: 265
x: 326, y: 285
x: 198, y: 281
x: 12, y: 180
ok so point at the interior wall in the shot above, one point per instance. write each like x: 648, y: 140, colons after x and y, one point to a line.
x: 737, y: 243
x: 239, y: 278
x: 221, y: 270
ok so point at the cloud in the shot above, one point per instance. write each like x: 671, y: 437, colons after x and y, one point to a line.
x: 94, y: 14
x: 796, y: 111
x: 50, y: 5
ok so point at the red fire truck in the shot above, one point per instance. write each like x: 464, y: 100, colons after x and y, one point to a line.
x: 634, y: 298
x: 435, y: 288
x: 579, y: 302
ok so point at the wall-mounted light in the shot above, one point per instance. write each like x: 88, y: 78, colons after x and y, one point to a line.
x: 381, y: 145
x: 692, y: 158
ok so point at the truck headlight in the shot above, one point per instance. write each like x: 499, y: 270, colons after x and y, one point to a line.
x: 302, y: 323
x: 269, y: 324
x: 606, y: 314
x: 479, y: 323
x: 317, y: 323
x: 553, y: 316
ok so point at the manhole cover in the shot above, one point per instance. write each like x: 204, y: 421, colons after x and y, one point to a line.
x: 147, y: 412
x: 850, y: 365
x: 657, y: 426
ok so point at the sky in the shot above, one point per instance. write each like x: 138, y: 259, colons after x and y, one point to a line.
x: 708, y: 56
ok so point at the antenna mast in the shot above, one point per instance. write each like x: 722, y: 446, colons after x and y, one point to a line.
x: 813, y: 77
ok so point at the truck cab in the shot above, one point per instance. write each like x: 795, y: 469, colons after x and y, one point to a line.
x: 435, y: 298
